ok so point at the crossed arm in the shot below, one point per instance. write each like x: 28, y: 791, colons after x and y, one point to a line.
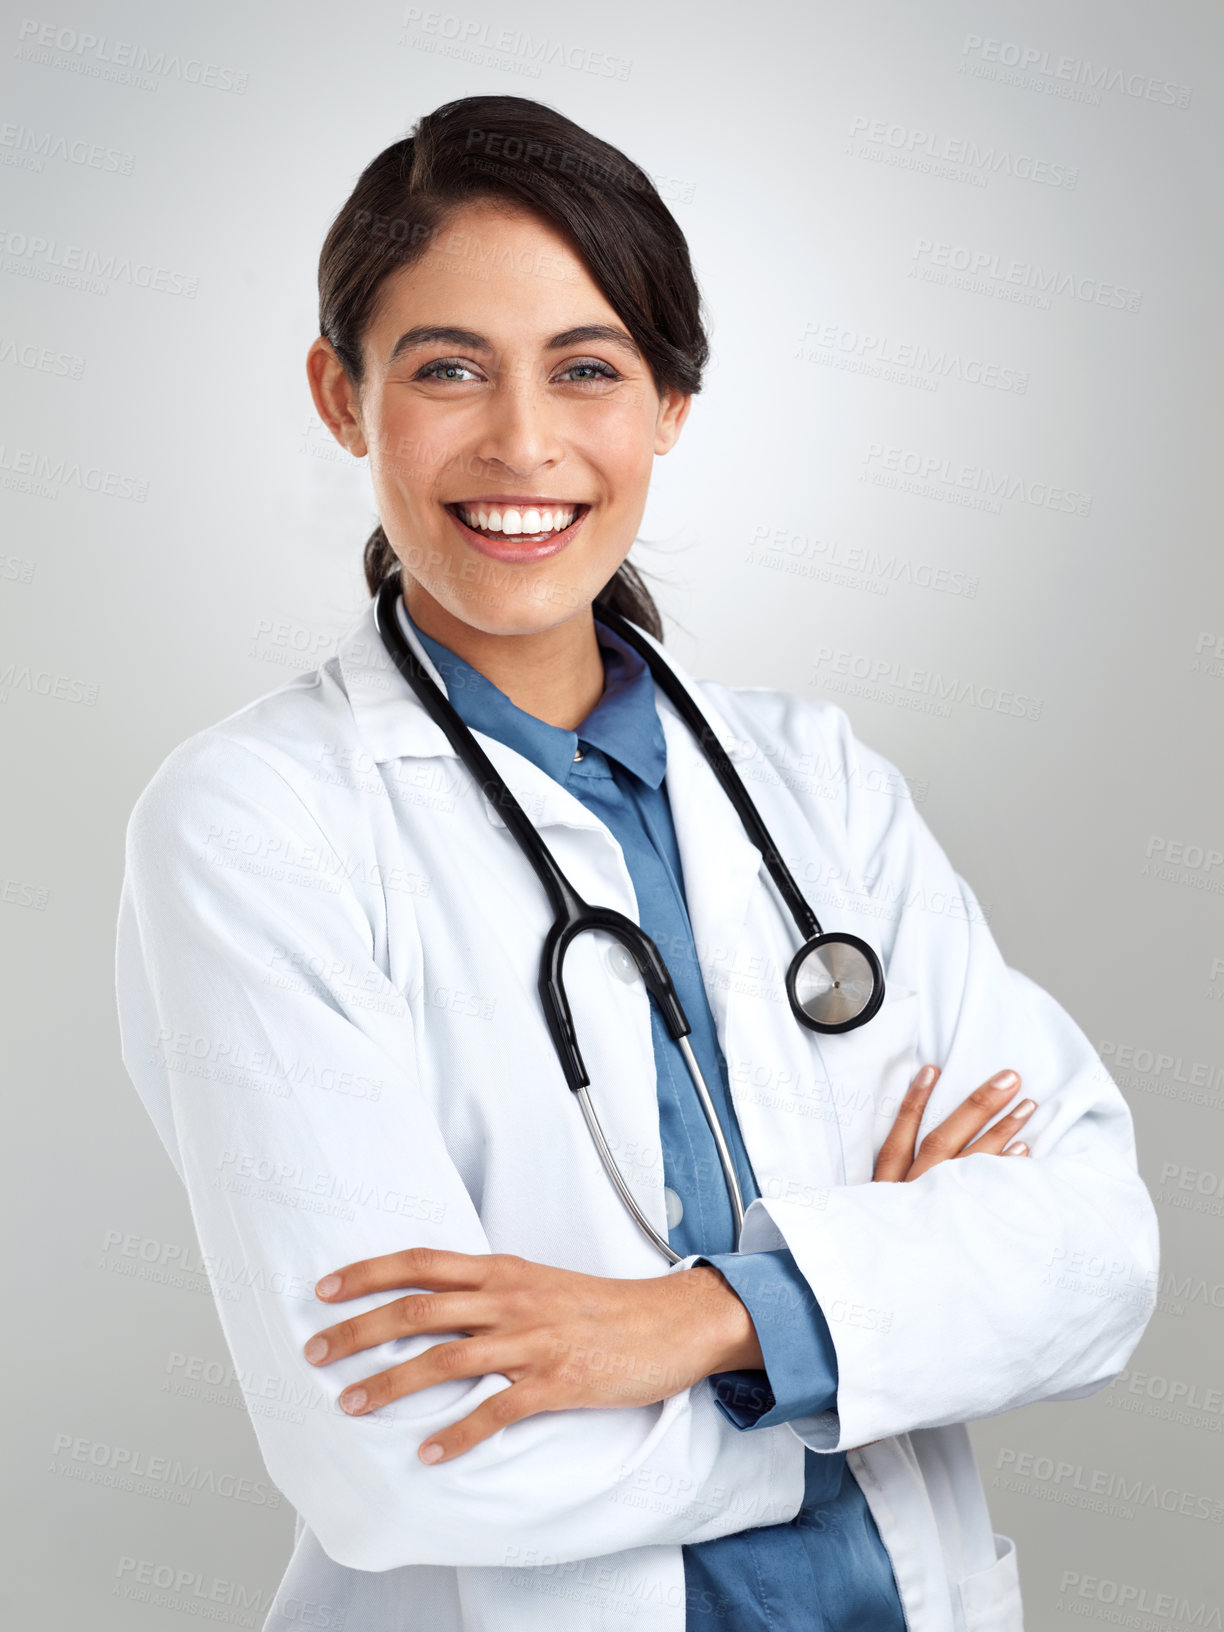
x: 206, y: 1031
x: 567, y: 1340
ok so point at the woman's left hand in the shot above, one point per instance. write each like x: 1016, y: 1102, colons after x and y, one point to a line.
x: 562, y: 1338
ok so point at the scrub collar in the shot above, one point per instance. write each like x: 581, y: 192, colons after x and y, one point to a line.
x: 624, y: 725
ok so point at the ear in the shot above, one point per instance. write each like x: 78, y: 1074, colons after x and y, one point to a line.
x: 335, y: 398
x: 673, y: 411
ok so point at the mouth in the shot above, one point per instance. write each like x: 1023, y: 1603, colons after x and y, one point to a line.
x: 518, y: 531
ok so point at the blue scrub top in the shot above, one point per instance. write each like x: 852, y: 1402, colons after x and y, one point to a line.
x: 826, y: 1570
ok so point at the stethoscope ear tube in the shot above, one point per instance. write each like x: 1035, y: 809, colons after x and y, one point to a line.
x: 557, y: 1012
x: 719, y: 762
x: 562, y: 896
x: 577, y: 918
x: 835, y: 981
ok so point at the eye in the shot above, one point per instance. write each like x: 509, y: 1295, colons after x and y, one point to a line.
x: 595, y: 370
x: 447, y: 368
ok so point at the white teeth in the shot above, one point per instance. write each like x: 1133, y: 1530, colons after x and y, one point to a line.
x: 511, y: 520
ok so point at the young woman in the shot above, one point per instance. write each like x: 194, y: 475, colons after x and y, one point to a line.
x: 495, y: 1396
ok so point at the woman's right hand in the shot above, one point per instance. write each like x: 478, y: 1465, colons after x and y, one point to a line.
x: 897, y: 1160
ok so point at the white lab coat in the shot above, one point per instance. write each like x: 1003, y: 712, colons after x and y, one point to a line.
x: 327, y: 963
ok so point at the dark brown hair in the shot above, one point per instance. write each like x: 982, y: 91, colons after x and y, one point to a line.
x: 525, y: 155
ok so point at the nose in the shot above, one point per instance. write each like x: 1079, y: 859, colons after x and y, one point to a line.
x: 520, y: 429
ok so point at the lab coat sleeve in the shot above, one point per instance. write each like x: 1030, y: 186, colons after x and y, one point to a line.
x: 990, y: 1282
x: 279, y: 1065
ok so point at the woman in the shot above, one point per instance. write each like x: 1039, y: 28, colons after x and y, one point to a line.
x: 491, y: 1400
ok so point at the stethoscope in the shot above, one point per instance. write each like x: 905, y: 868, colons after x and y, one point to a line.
x: 834, y: 982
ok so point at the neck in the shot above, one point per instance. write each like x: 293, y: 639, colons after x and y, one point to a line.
x: 556, y: 674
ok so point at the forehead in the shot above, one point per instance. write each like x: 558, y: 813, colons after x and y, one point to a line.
x: 490, y: 267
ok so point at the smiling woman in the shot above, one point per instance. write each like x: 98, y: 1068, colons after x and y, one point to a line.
x: 501, y: 206
x: 521, y: 1417
x: 509, y: 418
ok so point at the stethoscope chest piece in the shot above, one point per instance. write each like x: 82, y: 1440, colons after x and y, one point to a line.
x: 835, y: 983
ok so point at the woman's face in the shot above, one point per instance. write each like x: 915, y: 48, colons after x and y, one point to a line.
x: 510, y: 451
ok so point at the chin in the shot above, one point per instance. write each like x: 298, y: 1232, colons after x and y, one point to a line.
x: 510, y: 610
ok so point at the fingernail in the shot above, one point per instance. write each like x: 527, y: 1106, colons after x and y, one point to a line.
x: 925, y: 1077
x: 1024, y: 1107
x: 353, y: 1399
x: 431, y: 1453
x: 1016, y: 1150
x: 328, y: 1285
x: 1004, y: 1079
x: 315, y: 1349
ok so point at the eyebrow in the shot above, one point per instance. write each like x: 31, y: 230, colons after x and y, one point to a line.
x: 432, y: 334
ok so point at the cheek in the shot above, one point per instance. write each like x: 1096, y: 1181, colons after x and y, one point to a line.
x: 620, y: 444
x: 404, y: 451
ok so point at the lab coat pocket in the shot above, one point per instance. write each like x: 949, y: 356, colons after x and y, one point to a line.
x: 990, y: 1598
x: 870, y: 1069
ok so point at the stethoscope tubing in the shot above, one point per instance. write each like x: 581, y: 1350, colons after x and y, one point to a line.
x: 572, y: 915
x: 720, y: 763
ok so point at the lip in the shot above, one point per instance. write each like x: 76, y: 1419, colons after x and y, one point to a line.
x: 513, y: 551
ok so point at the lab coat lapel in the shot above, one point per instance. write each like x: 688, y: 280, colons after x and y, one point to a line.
x: 611, y: 1016
x: 719, y: 860
x: 394, y: 724
x: 745, y: 938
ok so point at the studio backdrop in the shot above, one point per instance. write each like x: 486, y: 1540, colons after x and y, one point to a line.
x: 955, y: 468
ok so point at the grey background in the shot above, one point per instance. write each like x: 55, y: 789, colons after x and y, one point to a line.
x: 815, y: 156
